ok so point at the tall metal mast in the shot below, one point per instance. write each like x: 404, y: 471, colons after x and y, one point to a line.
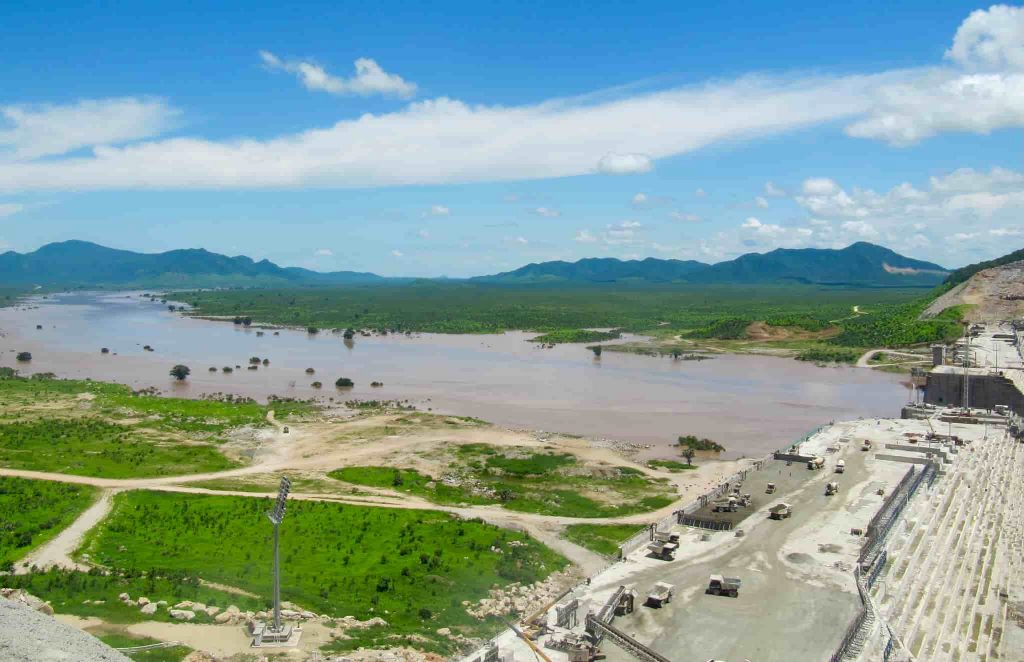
x: 967, y: 366
x: 275, y: 516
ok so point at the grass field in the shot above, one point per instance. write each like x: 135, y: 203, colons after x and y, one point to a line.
x: 34, y: 511
x: 171, y: 654
x: 413, y: 568
x: 601, y: 538
x: 543, y: 483
x: 671, y: 465
x: 99, y: 429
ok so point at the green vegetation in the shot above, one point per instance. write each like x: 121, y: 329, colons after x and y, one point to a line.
x: 91, y: 447
x: 543, y: 483
x: 601, y: 538
x: 488, y: 308
x: 824, y: 354
x: 964, y: 273
x: 413, y: 568
x: 34, y: 511
x: 898, y: 325
x: 671, y: 465
x: 68, y: 590
x: 723, y: 329
x: 575, y: 336
x: 170, y: 654
x: 694, y: 443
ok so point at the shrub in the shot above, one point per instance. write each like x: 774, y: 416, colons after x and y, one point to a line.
x: 344, y: 382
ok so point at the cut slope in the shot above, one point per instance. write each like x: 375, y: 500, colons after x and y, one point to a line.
x: 992, y: 294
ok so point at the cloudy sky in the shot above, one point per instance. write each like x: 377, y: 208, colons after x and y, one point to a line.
x: 454, y: 139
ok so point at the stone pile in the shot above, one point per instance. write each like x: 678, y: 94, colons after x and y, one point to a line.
x: 519, y: 599
x: 27, y: 599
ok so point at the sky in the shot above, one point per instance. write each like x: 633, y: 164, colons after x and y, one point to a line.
x: 459, y: 139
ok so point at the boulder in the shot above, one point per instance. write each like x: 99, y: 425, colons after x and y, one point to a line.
x: 45, y: 608
x: 161, y: 603
x: 232, y: 609
x: 182, y: 614
x: 223, y: 617
x: 184, y: 604
x: 444, y: 632
x: 142, y: 602
x: 124, y: 597
x: 198, y: 606
x: 212, y: 611
x: 149, y: 608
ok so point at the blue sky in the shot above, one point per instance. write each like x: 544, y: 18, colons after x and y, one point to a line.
x: 460, y: 139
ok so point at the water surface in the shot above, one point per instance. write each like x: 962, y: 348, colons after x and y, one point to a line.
x: 750, y: 404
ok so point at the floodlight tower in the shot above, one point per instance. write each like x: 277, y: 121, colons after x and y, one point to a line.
x: 275, y: 516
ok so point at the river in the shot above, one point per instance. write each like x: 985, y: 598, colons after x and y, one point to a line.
x: 750, y: 404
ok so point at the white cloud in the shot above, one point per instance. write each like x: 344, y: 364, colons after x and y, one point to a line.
x: 1005, y: 232
x: 439, y: 210
x: 773, y: 191
x: 522, y: 241
x: 861, y: 229
x: 761, y: 202
x: 639, y: 200
x: 423, y: 234
x: 323, y: 252
x: 31, y: 132
x: 397, y: 253
x: 547, y: 212
x: 751, y: 223
x: 585, y: 237
x: 10, y: 208
x: 964, y: 236
x: 662, y: 248
x: 624, y: 164
x: 369, y: 77
x: 677, y: 215
x: 700, y: 193
x: 627, y: 225
x: 990, y: 38
x: 819, y: 186
x: 763, y: 229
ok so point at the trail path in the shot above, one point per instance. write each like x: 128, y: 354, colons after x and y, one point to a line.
x: 57, y: 552
x: 862, y: 362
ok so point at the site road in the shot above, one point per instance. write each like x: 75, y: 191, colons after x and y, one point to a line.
x: 785, y: 610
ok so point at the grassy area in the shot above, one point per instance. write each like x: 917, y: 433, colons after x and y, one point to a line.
x: 34, y: 511
x: 575, y: 336
x: 170, y: 654
x: 601, y: 538
x: 92, y: 428
x: 412, y: 568
x: 543, y: 483
x: 830, y: 354
x: 488, y: 308
x: 68, y: 591
x: 91, y: 447
x: 671, y: 465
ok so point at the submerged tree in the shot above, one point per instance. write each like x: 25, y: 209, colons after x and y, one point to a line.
x: 344, y: 382
x: 24, y: 356
x: 180, y: 372
x: 688, y: 453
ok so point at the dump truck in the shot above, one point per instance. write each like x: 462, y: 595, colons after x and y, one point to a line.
x: 663, y: 550
x: 770, y: 489
x: 666, y: 536
x: 840, y: 466
x: 866, y: 446
x: 719, y: 585
x: 729, y: 505
x: 816, y: 462
x: 660, y: 595
x: 780, y: 511
x: 831, y: 488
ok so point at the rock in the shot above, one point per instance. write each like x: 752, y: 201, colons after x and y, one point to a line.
x: 149, y: 608
x: 308, y: 615
x: 199, y: 656
x: 198, y: 606
x: 124, y: 597
x: 444, y: 632
x: 184, y: 604
x: 212, y: 611
x: 232, y: 609
x: 142, y: 602
x: 161, y: 603
x: 223, y: 617
x: 182, y: 614
x: 45, y: 608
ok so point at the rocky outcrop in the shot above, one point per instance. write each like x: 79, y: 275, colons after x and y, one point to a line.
x: 519, y: 599
x: 27, y: 599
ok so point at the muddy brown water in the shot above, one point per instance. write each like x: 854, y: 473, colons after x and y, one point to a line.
x: 750, y: 404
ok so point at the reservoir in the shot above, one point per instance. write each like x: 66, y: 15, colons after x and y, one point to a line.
x: 750, y: 404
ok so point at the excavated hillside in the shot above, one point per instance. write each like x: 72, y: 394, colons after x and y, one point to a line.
x: 993, y: 294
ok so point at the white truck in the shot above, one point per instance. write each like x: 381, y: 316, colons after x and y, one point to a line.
x: 840, y: 466
x: 660, y: 595
x: 816, y: 462
x: 663, y: 550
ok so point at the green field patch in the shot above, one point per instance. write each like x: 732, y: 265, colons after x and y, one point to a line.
x: 413, y: 568
x: 92, y: 447
x: 542, y: 483
x: 601, y: 538
x: 575, y: 336
x: 671, y: 465
x: 34, y: 511
x: 168, y: 654
x: 827, y: 354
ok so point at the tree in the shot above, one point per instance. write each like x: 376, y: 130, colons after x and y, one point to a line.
x: 312, y: 330
x: 688, y: 453
x: 596, y: 349
x: 348, y: 334
x: 180, y: 372
x: 344, y: 382
x: 24, y: 356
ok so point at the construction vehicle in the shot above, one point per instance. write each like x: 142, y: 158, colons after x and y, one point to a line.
x: 660, y: 595
x: 719, y: 585
x: 663, y: 550
x: 729, y: 505
x: 626, y: 602
x: 866, y: 446
x: 666, y: 536
x: 840, y: 466
x: 780, y: 511
x: 770, y: 489
x: 816, y: 462
x: 832, y: 488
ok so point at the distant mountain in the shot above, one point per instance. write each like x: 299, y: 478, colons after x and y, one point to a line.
x: 71, y: 263
x: 600, y: 270
x: 860, y: 264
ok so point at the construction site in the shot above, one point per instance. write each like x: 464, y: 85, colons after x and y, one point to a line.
x: 875, y: 539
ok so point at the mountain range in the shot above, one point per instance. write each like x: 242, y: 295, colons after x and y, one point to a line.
x: 82, y: 263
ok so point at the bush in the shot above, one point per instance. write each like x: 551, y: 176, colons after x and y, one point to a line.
x: 344, y: 382
x: 24, y: 357
x: 691, y: 441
